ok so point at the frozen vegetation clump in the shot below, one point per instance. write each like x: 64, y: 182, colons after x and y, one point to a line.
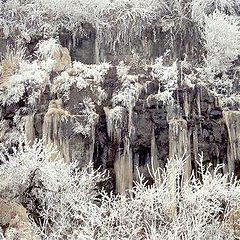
x: 167, y: 77
x: 116, y: 22
x: 64, y: 201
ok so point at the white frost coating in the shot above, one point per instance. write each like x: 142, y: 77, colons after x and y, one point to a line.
x: 179, y: 144
x: 81, y: 76
x: 53, y: 133
x: 95, y: 72
x: 123, y: 167
x: 222, y: 36
x: 3, y: 129
x: 84, y: 122
x: 167, y: 76
x: 29, y: 77
x: 232, y: 120
x: 53, y: 56
x: 166, y: 97
x: 122, y: 70
x: 47, y: 48
x: 115, y: 121
x: 128, y: 95
x: 202, y: 8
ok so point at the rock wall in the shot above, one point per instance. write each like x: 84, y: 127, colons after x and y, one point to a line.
x: 128, y: 139
x: 111, y: 114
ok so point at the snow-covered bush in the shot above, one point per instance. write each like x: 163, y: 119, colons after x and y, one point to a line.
x: 222, y: 41
x: 116, y: 22
x: 66, y: 202
x: 32, y: 79
x: 46, y: 49
x: 81, y: 76
x: 122, y: 22
x: 167, y: 77
x: 85, y: 123
x: 23, y: 77
x: 59, y: 196
x: 128, y: 95
x: 202, y: 8
x: 12, y: 60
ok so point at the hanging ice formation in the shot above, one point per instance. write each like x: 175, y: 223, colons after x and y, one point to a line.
x: 179, y: 144
x: 232, y: 121
x: 123, y: 167
x: 154, y: 152
x: 54, y: 127
x: 29, y: 128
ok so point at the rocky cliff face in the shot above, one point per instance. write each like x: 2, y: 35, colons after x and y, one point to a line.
x: 118, y: 115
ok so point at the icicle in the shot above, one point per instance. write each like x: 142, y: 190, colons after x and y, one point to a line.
x: 97, y: 50
x: 123, y: 164
x: 172, y: 186
x: 154, y: 152
x: 115, y: 121
x: 199, y: 102
x: 92, y: 145
x: 131, y: 128
x: 186, y: 104
x: 29, y: 128
x: 199, y: 94
x: 147, y: 48
x: 179, y: 144
x: 123, y: 167
x: 195, y: 143
x: 74, y: 38
x: 4, y: 126
x: 69, y: 46
x: 53, y: 129
x: 179, y: 148
x: 232, y: 120
x: 217, y: 102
